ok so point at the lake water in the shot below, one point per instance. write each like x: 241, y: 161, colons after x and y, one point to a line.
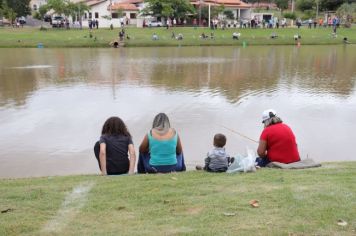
x: 53, y: 102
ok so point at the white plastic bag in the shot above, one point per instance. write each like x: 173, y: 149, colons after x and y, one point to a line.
x: 243, y: 163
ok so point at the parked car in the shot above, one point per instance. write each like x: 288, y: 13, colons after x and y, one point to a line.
x: 155, y: 24
x: 4, y: 22
x: 22, y: 20
x: 47, y: 18
x: 57, y: 21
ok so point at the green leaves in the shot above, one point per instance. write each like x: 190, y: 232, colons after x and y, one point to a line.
x: 168, y: 8
x: 20, y: 7
x: 64, y: 7
x: 282, y: 4
x: 9, y: 13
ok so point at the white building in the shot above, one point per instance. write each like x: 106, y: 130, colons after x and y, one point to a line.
x: 35, y: 4
x: 113, y: 12
x: 106, y: 12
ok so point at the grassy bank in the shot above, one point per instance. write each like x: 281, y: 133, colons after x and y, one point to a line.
x: 291, y: 202
x: 31, y: 37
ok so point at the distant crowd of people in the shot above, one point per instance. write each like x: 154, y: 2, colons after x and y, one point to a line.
x: 93, y: 24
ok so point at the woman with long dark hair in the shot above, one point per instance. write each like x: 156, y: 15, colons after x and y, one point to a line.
x: 161, y: 149
x: 113, y: 148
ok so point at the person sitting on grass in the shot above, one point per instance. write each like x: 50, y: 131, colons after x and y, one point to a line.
x: 217, y: 160
x: 111, y: 151
x: 180, y: 36
x: 277, y: 141
x: 236, y: 36
x: 274, y: 35
x: 212, y: 36
x: 155, y: 37
x: 297, y: 37
x: 204, y: 36
x: 161, y: 149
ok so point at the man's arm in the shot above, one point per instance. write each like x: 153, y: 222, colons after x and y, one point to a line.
x: 262, y: 148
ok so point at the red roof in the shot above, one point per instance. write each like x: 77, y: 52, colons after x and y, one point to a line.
x: 123, y: 6
x: 133, y: 1
x: 228, y: 3
x: 92, y: 2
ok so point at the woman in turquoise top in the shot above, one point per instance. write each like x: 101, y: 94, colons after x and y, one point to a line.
x: 161, y: 149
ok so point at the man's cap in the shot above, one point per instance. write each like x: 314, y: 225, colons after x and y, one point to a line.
x: 268, y: 114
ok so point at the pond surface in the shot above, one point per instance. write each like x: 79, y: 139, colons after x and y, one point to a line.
x: 53, y: 102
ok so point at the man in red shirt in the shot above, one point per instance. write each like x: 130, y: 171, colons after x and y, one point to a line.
x: 277, y: 141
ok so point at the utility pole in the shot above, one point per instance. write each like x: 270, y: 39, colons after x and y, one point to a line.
x: 209, y: 14
x: 110, y: 9
x: 200, y: 3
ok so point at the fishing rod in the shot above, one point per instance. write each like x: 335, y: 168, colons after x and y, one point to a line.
x: 242, y: 135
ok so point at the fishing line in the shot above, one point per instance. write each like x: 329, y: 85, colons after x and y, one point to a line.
x: 242, y: 135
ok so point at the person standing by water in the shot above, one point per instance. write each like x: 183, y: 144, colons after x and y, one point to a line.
x: 277, y: 141
x: 161, y: 149
x: 111, y: 151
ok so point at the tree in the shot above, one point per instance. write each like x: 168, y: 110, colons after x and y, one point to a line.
x: 214, y: 11
x: 20, y: 7
x: 42, y: 10
x: 9, y: 13
x: 347, y: 13
x: 305, y: 4
x: 58, y: 6
x: 168, y: 8
x: 76, y: 10
x: 290, y: 15
x: 229, y: 14
x: 331, y: 5
x: 282, y: 4
x: 1, y: 9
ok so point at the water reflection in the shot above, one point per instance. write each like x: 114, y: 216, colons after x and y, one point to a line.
x: 53, y: 101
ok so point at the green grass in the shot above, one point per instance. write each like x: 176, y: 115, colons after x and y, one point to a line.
x: 292, y: 202
x: 31, y: 37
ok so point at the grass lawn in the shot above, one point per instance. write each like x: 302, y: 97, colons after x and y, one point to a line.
x: 31, y: 37
x: 291, y: 202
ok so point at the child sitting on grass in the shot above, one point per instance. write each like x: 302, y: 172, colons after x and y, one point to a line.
x: 217, y: 160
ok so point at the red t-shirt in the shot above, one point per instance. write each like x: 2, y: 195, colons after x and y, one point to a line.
x: 281, y: 144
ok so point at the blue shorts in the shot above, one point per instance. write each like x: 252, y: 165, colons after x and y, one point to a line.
x: 144, y: 166
x: 262, y: 161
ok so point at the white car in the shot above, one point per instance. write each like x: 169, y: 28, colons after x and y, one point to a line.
x: 58, y: 21
x: 155, y: 24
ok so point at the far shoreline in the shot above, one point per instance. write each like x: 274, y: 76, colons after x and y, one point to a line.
x: 138, y: 37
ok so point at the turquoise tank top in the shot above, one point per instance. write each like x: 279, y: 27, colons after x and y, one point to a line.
x: 163, y: 152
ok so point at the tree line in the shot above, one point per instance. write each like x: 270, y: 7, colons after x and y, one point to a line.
x: 11, y: 9
x: 165, y: 8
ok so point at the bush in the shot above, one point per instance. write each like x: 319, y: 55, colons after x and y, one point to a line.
x: 37, y: 15
x: 309, y: 14
x: 229, y: 14
x: 347, y: 13
x: 305, y: 4
x: 290, y: 15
